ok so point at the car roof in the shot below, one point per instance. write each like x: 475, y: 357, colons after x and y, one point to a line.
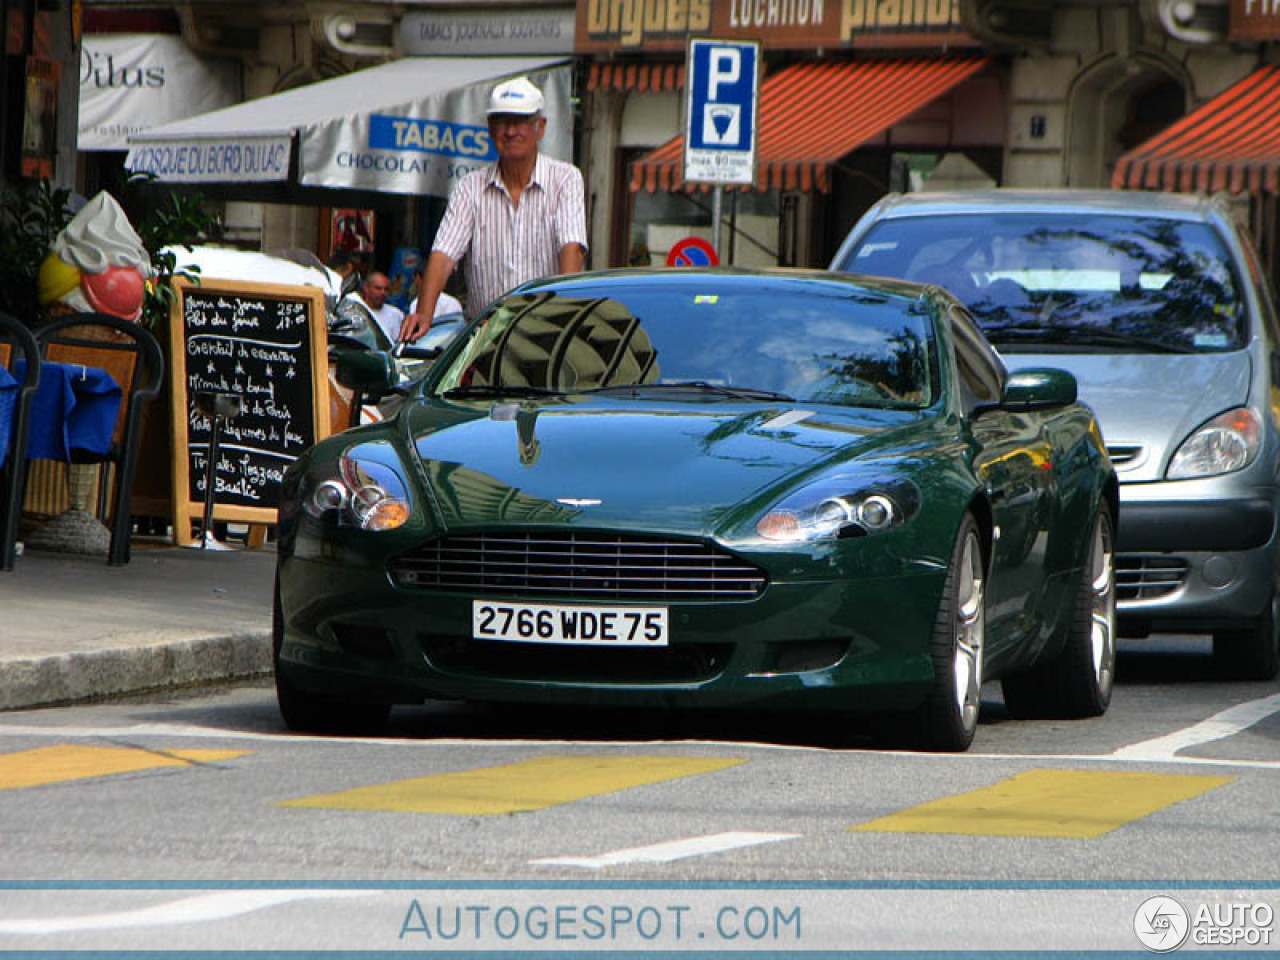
x: 792, y: 281
x: 1141, y: 202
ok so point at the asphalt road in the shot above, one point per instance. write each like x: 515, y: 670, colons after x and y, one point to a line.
x: 1176, y: 785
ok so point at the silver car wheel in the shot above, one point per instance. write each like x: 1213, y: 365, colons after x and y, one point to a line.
x: 969, y: 626
x: 1102, y: 613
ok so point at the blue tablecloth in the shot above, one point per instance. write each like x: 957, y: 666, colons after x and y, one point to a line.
x: 74, y: 409
x: 8, y: 394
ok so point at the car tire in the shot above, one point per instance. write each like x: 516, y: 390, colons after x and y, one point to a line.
x: 948, y: 718
x: 1078, y: 681
x: 1251, y: 653
x: 305, y: 712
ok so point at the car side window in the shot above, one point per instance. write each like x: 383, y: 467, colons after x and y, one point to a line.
x: 982, y: 374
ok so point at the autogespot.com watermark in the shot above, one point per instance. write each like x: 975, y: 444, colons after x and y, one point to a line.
x: 653, y: 923
x: 1163, y: 924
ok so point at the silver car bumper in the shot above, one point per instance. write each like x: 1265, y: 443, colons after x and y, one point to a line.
x: 1193, y: 562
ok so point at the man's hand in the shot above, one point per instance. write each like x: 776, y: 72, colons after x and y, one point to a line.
x: 433, y: 279
x: 415, y: 324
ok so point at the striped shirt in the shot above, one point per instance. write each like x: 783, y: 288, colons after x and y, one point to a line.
x: 505, y: 245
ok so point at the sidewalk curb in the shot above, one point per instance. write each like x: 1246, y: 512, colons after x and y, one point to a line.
x: 132, y: 663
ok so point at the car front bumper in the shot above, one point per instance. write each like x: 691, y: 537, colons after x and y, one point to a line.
x: 825, y: 645
x: 1190, y: 560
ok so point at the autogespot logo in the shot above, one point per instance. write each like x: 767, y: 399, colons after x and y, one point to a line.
x: 1162, y: 924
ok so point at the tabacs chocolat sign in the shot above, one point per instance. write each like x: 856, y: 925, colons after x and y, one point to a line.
x: 649, y: 25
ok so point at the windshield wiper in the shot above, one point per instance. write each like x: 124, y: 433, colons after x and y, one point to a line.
x: 498, y: 390
x: 704, y: 386
x: 1081, y: 336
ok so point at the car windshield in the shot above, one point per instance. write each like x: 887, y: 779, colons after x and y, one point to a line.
x: 817, y: 343
x: 1123, y: 283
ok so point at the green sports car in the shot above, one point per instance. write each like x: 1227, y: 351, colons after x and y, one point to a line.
x: 706, y: 488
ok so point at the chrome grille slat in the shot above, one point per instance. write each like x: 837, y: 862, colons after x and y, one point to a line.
x: 1142, y: 577
x: 578, y: 565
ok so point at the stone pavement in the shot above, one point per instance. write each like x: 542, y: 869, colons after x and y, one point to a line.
x: 73, y: 628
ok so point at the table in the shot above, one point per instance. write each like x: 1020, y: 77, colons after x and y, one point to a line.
x: 73, y: 411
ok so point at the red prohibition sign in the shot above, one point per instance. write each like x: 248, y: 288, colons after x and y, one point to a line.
x: 692, y: 252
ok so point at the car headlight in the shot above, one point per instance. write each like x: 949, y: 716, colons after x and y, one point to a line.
x: 364, y: 487
x: 1226, y: 443
x: 837, y: 507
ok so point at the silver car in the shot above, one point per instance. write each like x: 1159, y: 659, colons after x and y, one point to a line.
x: 1159, y: 306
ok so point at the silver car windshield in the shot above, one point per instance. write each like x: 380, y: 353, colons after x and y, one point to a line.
x: 1090, y: 281
x: 852, y: 349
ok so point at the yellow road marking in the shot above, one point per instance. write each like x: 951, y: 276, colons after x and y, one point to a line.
x: 527, y: 785
x: 31, y: 768
x: 1049, y: 803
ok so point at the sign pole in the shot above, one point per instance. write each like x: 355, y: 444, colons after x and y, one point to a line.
x: 717, y: 198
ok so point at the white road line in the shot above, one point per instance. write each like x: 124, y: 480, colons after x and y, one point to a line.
x: 213, y: 906
x: 1217, y: 727
x: 670, y: 850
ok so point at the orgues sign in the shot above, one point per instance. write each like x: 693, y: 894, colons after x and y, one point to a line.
x: 621, y: 25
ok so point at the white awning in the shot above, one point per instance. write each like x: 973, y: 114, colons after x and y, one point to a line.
x: 411, y: 126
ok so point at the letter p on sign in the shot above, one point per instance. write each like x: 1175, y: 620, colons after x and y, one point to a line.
x: 725, y: 67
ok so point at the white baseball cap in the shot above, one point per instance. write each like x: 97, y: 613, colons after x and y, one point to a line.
x: 515, y: 96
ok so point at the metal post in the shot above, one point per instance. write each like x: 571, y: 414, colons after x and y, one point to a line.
x: 717, y: 197
x: 210, y: 480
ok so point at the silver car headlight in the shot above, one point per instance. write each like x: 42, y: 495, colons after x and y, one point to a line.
x: 837, y: 507
x: 1228, y: 442
x: 364, y: 487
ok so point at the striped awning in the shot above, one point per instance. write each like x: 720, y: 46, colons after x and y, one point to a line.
x: 636, y: 76
x: 1231, y: 143
x: 812, y: 114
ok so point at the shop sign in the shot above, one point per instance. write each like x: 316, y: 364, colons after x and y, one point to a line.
x: 247, y: 160
x: 653, y: 25
x: 456, y: 33
x: 1254, y: 20
x: 133, y: 82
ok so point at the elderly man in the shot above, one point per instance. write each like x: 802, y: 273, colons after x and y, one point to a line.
x: 520, y: 218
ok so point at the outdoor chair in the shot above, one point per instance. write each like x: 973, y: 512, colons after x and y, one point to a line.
x: 132, y: 356
x: 16, y: 342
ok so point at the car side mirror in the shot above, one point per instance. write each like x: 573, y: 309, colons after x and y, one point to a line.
x: 366, y: 371
x: 1037, y: 388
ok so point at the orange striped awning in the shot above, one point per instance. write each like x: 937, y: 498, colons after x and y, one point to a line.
x: 636, y: 76
x: 1231, y: 143
x: 812, y: 114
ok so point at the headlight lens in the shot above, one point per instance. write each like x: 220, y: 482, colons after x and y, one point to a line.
x: 836, y: 507
x: 1226, y: 443
x: 363, y: 488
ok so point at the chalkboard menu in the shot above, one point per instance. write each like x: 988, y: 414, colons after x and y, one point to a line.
x: 266, y: 345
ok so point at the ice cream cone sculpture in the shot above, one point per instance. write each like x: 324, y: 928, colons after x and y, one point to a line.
x: 97, y: 263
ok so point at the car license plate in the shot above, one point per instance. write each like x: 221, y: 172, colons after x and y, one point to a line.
x: 551, y: 623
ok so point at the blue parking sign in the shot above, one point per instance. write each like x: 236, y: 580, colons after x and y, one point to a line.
x: 722, y: 84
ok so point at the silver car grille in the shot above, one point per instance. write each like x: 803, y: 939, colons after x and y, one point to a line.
x: 579, y: 565
x: 1147, y: 576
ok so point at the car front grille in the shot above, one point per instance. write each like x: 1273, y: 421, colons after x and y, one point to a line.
x: 1147, y: 576
x: 579, y: 566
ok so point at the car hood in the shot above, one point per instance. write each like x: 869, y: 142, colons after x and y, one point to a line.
x: 1147, y: 404
x: 627, y: 465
